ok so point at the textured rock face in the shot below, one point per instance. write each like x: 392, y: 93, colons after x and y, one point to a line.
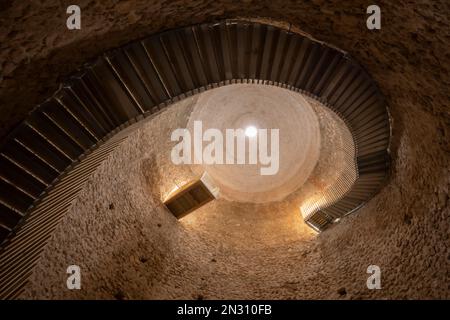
x: 404, y: 229
x: 130, y: 247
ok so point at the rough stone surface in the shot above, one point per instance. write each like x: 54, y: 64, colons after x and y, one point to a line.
x: 298, y: 148
x: 404, y: 229
x: 126, y: 194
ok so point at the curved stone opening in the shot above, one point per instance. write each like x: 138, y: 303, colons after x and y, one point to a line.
x: 311, y: 143
x: 403, y: 229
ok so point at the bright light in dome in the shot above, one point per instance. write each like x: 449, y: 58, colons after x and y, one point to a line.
x: 251, y: 131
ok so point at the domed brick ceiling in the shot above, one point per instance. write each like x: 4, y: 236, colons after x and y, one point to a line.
x: 244, y: 106
x: 312, y: 144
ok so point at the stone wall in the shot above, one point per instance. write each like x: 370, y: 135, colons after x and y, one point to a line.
x: 404, y: 229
